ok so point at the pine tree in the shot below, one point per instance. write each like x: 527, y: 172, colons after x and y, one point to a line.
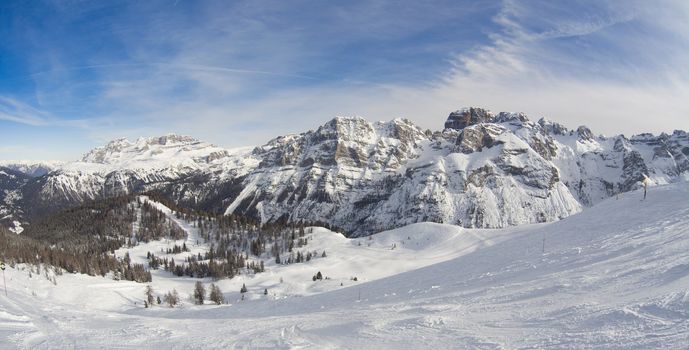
x: 243, y: 290
x: 199, y: 293
x: 216, y: 295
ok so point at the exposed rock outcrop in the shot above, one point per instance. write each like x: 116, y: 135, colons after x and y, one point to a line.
x: 464, y: 117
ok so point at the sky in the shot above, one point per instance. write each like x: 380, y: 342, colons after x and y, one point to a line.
x: 75, y: 74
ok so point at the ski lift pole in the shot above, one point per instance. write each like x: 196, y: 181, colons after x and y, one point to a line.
x: 2, y: 266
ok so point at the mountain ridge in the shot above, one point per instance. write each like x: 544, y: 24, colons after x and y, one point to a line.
x: 482, y: 170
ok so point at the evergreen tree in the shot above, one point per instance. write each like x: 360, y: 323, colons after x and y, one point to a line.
x: 216, y: 295
x: 243, y: 290
x: 199, y: 293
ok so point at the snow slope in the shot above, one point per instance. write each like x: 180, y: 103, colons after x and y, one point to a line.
x: 614, y: 276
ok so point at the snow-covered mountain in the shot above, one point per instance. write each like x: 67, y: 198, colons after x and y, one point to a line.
x: 483, y: 170
x: 367, y: 177
x: 165, y: 152
x: 31, y: 168
x: 170, y: 162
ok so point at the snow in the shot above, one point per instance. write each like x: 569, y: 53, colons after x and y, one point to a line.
x: 17, y: 227
x: 170, y: 153
x: 612, y: 276
x: 30, y: 167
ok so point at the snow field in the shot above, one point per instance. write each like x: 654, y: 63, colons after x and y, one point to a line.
x: 614, y: 276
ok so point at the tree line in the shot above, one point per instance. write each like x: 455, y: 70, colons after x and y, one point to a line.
x: 83, y: 239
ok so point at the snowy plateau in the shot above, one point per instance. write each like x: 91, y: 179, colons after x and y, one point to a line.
x: 497, y: 232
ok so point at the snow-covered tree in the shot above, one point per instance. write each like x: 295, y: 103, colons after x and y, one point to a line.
x: 216, y: 295
x: 199, y: 293
x: 172, y: 298
x: 149, y: 294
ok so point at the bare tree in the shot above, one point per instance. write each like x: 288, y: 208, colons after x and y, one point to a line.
x: 172, y: 298
x: 149, y: 295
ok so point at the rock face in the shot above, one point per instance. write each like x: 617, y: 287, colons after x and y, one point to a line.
x: 482, y: 170
x: 464, y: 117
x: 330, y: 175
x: 477, y: 137
x: 552, y: 128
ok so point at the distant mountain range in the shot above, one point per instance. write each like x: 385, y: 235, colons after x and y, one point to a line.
x: 482, y: 170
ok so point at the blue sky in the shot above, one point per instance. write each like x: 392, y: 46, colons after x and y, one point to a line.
x: 75, y: 74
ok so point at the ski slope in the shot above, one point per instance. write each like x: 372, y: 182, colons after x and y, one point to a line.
x: 613, y: 276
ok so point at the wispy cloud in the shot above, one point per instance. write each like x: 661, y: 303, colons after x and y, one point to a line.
x: 15, y: 111
x: 240, y: 73
x: 578, y: 68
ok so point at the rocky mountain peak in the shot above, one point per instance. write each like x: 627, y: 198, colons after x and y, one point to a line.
x: 464, y: 117
x: 507, y: 117
x: 346, y: 128
x: 406, y: 131
x: 585, y: 133
x: 347, y: 141
x: 168, y: 140
x: 100, y: 154
x: 552, y: 128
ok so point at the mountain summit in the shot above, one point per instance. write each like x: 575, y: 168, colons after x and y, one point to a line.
x: 164, y: 150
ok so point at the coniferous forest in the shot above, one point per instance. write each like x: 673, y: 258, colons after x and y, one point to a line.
x: 84, y: 240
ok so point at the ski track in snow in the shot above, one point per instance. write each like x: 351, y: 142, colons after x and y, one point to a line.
x: 615, y: 276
